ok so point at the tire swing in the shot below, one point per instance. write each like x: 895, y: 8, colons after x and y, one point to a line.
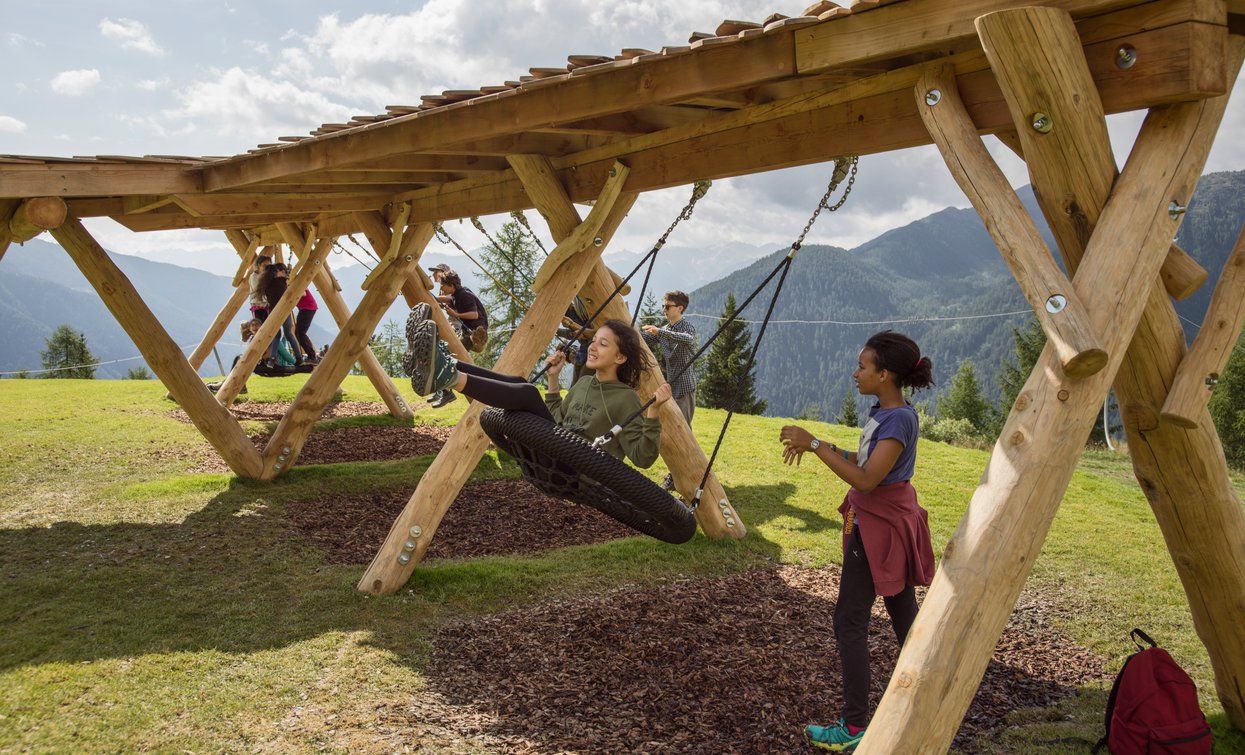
x: 564, y: 465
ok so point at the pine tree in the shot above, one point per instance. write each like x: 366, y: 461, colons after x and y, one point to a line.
x: 964, y: 399
x: 388, y: 348
x: 511, y: 259
x: 724, y: 369
x: 138, y: 373
x: 847, y: 412
x: 67, y: 355
x: 652, y: 314
x: 811, y: 413
x: 1227, y: 406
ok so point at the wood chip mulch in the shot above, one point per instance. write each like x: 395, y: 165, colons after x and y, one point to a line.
x: 733, y: 664
x: 488, y: 518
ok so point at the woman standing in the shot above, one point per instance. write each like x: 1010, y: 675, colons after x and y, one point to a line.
x: 302, y: 323
x: 886, y: 541
x: 274, y: 283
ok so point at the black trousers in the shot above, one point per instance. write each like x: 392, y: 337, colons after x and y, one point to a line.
x: 851, y: 626
x: 503, y: 391
x: 302, y: 323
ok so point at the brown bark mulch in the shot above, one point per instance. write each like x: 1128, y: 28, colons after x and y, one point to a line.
x: 733, y: 664
x: 488, y: 518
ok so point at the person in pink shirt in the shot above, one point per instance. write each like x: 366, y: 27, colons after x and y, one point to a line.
x: 886, y: 541
x: 302, y: 323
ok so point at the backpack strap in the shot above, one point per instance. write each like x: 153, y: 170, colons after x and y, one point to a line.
x: 1137, y: 635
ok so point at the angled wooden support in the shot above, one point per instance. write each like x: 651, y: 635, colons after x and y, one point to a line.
x: 389, y: 253
x: 415, y: 527
x: 585, y: 234
x: 379, y: 236
x: 1058, y: 308
x: 1200, y: 369
x: 291, y: 434
x: 34, y: 216
x: 682, y: 454
x: 992, y: 551
x: 271, y: 328
x: 159, y: 350
x: 330, y: 294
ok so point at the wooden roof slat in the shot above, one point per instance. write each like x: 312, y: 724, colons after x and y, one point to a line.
x: 731, y: 27
x: 579, y: 61
x: 627, y: 53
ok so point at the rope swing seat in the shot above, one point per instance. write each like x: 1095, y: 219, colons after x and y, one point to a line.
x: 564, y: 465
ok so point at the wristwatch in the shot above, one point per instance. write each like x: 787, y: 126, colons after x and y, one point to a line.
x: 813, y: 444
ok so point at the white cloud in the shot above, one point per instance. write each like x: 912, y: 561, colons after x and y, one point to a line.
x: 75, y: 83
x: 11, y: 125
x: 21, y: 40
x: 151, y: 85
x: 257, y: 46
x: 254, y: 107
x: 133, y: 35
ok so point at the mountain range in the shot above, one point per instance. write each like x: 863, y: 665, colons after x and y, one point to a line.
x: 940, y: 279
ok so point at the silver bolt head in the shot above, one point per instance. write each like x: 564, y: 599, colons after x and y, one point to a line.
x: 409, y: 545
x: 1041, y: 123
x: 416, y: 531
x: 933, y: 97
x: 1056, y: 304
x: 1125, y: 56
x: 1175, y: 209
x: 404, y: 558
x: 598, y: 241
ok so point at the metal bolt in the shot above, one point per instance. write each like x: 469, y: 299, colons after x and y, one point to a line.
x: 404, y: 558
x: 730, y: 522
x: 416, y: 531
x: 597, y: 241
x: 1041, y: 123
x: 613, y: 172
x: 408, y: 258
x: 933, y: 97
x: 1056, y: 303
x: 409, y: 545
x: 276, y: 467
x: 1175, y: 209
x: 1212, y: 380
x: 1125, y: 56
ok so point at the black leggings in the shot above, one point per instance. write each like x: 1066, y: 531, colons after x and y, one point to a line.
x: 851, y: 626
x: 502, y: 391
x: 302, y: 324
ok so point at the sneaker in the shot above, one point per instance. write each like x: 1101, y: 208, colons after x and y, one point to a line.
x: 479, y: 338
x: 836, y: 737
x: 431, y: 367
x: 668, y: 483
x: 446, y: 397
x: 419, y: 313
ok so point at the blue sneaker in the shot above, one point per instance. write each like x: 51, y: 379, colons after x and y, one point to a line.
x: 429, y: 363
x: 835, y: 737
x: 419, y: 313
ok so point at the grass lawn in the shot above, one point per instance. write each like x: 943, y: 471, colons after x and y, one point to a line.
x: 147, y: 607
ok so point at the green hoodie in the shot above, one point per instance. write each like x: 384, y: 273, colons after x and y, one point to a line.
x: 581, y: 413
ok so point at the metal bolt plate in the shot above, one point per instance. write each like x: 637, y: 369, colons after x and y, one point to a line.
x: 1056, y: 304
x: 933, y: 97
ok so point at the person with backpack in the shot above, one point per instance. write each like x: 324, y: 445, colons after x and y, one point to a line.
x: 886, y: 542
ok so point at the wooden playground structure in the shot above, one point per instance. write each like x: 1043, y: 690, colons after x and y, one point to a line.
x: 868, y: 77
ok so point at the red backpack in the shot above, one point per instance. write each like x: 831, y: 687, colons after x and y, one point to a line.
x: 1153, y: 707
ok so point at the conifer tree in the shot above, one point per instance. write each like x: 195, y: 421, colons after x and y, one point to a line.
x: 1029, y: 344
x: 651, y: 314
x: 847, y: 411
x: 724, y: 369
x: 511, y: 259
x: 1227, y: 406
x: 964, y: 399
x: 67, y: 355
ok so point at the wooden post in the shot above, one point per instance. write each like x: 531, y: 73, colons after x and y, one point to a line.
x: 378, y: 235
x: 418, y: 522
x: 1200, y: 369
x: 271, y: 328
x: 993, y: 549
x: 291, y: 433
x: 326, y: 284
x: 158, y: 349
x: 682, y: 454
x: 228, y: 312
x: 1059, y: 310
x: 34, y: 216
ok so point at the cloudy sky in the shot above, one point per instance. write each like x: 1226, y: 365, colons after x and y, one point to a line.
x: 206, y: 77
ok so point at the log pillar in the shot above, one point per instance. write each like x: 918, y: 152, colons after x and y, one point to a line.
x: 34, y: 216
x: 240, y: 293
x: 291, y: 434
x: 992, y: 551
x: 418, y: 522
x: 159, y: 350
x: 682, y: 454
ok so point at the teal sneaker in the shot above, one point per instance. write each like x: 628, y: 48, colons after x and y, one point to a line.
x: 429, y: 363
x: 835, y: 737
x: 419, y: 313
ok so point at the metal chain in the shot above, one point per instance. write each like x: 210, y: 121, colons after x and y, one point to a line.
x: 339, y: 249
x: 699, y: 190
x: 475, y: 220
x: 519, y: 216
x: 445, y: 238
x: 366, y: 250
x: 844, y: 167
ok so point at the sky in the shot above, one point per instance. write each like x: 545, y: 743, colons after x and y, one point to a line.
x: 206, y: 77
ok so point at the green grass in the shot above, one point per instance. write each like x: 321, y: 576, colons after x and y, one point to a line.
x: 146, y: 607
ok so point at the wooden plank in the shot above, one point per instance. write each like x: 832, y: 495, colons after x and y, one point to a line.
x: 418, y: 522
x: 992, y: 551
x: 161, y: 353
x: 1059, y: 310
x: 274, y: 204
x: 96, y: 180
x: 350, y: 344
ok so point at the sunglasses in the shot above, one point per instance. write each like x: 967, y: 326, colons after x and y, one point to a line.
x: 669, y: 306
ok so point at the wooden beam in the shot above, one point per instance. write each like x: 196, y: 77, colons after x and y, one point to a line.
x: 1059, y: 310
x: 438, y: 486
x: 585, y: 233
x: 96, y: 180
x: 992, y: 551
x: 278, y: 203
x: 160, y: 352
x: 287, y: 440
x: 682, y: 454
x: 1200, y: 369
x: 34, y: 216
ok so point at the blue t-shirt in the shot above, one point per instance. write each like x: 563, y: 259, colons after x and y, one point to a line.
x: 900, y: 423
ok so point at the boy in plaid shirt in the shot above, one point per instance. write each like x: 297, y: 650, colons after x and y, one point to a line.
x: 678, y: 342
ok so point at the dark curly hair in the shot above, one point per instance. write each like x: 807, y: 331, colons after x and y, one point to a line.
x: 631, y: 347
x: 900, y: 355
x: 272, y: 286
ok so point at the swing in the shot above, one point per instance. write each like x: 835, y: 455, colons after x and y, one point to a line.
x: 564, y: 465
